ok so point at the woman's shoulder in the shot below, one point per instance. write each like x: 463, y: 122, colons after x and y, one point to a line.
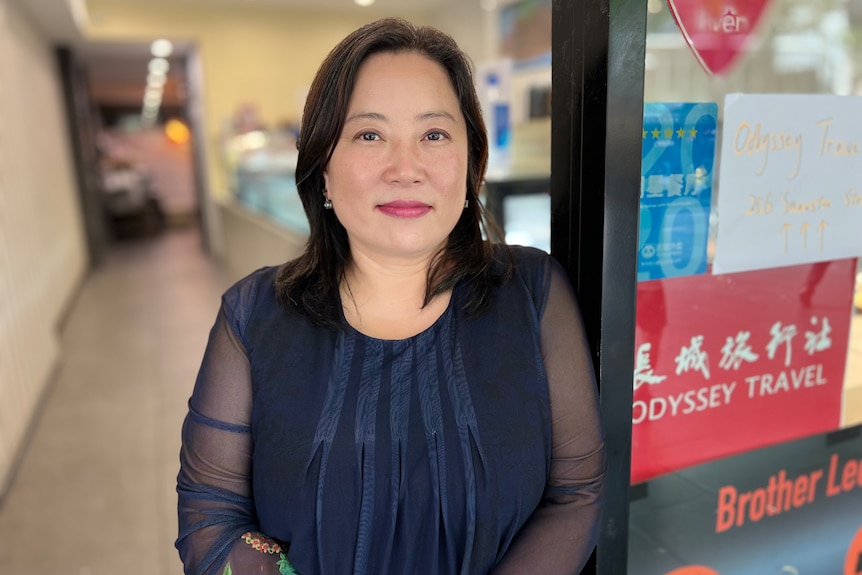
x: 521, y: 259
x: 529, y: 256
x: 531, y: 268
x: 531, y: 264
x: 241, y: 299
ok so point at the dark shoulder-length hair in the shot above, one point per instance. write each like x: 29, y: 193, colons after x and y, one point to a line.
x: 311, y: 282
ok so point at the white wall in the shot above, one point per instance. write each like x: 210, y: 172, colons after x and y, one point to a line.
x: 42, y: 250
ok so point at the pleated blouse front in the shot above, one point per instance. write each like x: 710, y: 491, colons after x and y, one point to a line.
x: 422, y: 455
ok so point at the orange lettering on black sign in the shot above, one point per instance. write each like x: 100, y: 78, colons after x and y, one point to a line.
x: 780, y: 494
x: 853, y: 563
x: 694, y: 570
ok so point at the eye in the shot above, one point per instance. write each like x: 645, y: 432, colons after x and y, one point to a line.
x: 436, y: 136
x: 369, y: 137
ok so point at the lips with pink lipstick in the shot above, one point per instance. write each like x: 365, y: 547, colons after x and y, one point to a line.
x: 404, y: 209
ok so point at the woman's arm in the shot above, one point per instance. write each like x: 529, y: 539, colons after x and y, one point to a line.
x: 562, y: 532
x: 217, y: 524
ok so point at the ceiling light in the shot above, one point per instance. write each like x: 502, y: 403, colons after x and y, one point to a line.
x: 152, y: 99
x: 156, y: 80
x: 159, y: 66
x: 161, y: 48
x: 364, y: 2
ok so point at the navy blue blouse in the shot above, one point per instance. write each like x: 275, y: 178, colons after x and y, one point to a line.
x: 471, y: 447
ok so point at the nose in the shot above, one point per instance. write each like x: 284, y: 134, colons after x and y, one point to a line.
x: 405, y: 163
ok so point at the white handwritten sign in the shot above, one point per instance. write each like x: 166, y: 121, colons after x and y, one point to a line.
x: 790, y: 186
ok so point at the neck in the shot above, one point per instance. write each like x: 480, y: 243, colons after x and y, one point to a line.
x: 393, y: 281
x: 384, y: 298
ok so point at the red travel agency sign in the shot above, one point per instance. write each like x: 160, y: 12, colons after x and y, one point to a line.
x: 729, y: 363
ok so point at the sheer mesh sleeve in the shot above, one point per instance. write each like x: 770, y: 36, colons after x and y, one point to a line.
x: 560, y: 535
x: 217, y: 525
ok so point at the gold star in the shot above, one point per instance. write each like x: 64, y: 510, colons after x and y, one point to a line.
x: 693, y: 133
x: 656, y: 133
x: 668, y: 134
x: 644, y: 136
x: 680, y: 133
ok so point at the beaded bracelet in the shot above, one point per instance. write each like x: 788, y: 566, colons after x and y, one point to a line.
x: 264, y: 544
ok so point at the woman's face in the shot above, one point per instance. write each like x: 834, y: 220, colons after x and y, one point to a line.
x: 398, y: 174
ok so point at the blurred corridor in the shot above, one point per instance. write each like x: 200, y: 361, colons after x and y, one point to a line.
x: 95, y: 490
x: 137, y: 183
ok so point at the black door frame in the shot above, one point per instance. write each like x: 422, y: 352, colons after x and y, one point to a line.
x: 82, y: 142
x: 597, y: 116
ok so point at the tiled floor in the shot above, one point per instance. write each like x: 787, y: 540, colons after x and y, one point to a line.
x: 95, y: 492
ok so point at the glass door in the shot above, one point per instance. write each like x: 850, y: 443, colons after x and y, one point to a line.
x: 747, y: 388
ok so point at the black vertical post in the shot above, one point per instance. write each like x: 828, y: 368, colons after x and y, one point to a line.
x: 597, y: 114
x: 82, y: 142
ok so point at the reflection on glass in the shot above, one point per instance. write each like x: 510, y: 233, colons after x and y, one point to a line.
x: 743, y: 408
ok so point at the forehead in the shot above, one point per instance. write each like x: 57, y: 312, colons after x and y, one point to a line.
x: 391, y: 73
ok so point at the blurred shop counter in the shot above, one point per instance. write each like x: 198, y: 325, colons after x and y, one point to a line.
x: 253, y: 240
x: 272, y: 193
x: 264, y: 222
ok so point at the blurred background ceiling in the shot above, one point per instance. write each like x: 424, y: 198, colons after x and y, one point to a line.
x: 58, y: 17
x: 117, y: 71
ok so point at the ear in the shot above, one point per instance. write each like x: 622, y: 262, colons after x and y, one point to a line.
x: 326, y: 182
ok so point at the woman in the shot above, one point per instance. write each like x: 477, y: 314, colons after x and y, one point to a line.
x: 404, y: 398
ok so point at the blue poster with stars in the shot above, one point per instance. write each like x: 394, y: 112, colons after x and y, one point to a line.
x: 678, y: 157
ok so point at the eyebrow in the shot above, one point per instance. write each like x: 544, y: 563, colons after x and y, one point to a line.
x: 435, y: 115
x: 365, y: 116
x: 382, y: 118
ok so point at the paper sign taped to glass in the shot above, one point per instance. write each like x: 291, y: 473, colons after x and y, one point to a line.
x: 790, y: 183
x: 678, y: 154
